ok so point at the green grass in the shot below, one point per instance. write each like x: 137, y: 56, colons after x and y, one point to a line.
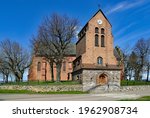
x: 43, y: 83
x: 133, y: 83
x: 2, y: 91
x: 16, y: 91
x: 144, y: 98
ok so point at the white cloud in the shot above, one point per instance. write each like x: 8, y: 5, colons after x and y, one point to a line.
x: 125, y: 5
x: 132, y: 37
x: 117, y: 7
x: 123, y: 30
x: 78, y: 30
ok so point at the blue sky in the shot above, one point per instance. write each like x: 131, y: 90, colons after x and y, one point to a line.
x: 19, y: 19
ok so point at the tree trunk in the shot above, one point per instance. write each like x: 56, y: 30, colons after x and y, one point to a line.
x: 130, y: 76
x: 58, y: 76
x: 141, y: 68
x: 140, y: 73
x: 148, y: 68
x: 52, y: 69
x: 18, y: 78
x: 6, y: 77
x: 136, y: 75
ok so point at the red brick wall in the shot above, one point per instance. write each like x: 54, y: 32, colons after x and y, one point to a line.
x: 92, y: 52
x: 44, y: 73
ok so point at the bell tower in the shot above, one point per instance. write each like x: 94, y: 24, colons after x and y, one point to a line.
x: 95, y: 63
x: 97, y: 42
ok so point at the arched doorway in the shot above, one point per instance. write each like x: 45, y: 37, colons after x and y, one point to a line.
x: 102, y: 79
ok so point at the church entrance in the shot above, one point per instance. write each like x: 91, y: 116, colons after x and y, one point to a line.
x: 102, y: 79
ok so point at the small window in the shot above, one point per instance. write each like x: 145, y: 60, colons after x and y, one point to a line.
x: 102, y: 31
x: 39, y: 66
x: 96, y: 30
x: 96, y: 40
x: 102, y: 41
x: 64, y: 66
x: 100, y: 60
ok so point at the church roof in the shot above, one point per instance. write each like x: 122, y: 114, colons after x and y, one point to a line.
x: 96, y: 67
x: 94, y: 16
x: 103, y: 15
x: 71, y: 50
x: 99, y: 67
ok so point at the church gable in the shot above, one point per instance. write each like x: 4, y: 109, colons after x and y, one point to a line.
x: 99, y: 17
x: 99, y: 14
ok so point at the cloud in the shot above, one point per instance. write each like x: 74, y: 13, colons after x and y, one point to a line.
x: 117, y: 7
x: 78, y: 30
x: 141, y: 10
x: 132, y: 37
x: 123, y: 30
x: 126, y: 5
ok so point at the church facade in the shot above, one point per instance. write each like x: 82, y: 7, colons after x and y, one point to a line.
x: 94, y: 63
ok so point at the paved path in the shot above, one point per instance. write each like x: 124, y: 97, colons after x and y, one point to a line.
x: 80, y: 97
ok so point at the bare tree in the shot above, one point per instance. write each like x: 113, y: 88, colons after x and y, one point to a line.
x: 55, y: 35
x: 120, y: 58
x: 61, y: 29
x: 42, y: 46
x: 133, y: 65
x: 141, y: 49
x: 4, y: 70
x: 148, y: 62
x: 15, y: 57
x: 148, y: 69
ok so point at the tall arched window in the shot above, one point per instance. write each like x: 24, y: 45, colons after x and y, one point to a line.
x: 64, y: 66
x: 96, y: 30
x: 102, y: 41
x: 102, y: 31
x: 100, y: 60
x: 96, y: 40
x: 39, y: 66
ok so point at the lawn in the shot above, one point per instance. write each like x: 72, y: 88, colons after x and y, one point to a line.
x: 43, y: 83
x: 2, y: 91
x: 144, y: 98
x: 134, y: 83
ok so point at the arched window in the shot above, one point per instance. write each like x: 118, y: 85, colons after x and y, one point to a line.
x: 96, y: 30
x: 100, y: 60
x: 102, y: 41
x: 64, y: 66
x: 102, y: 31
x: 39, y: 66
x: 96, y: 40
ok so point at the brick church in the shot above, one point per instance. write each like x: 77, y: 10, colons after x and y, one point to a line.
x: 94, y: 62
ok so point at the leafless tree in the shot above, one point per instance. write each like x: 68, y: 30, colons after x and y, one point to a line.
x: 141, y: 49
x: 42, y: 46
x: 148, y: 62
x: 55, y: 36
x: 120, y: 58
x: 147, y: 70
x: 4, y: 70
x: 133, y: 65
x: 15, y: 57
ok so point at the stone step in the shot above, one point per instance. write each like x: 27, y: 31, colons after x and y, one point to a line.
x: 104, y: 89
